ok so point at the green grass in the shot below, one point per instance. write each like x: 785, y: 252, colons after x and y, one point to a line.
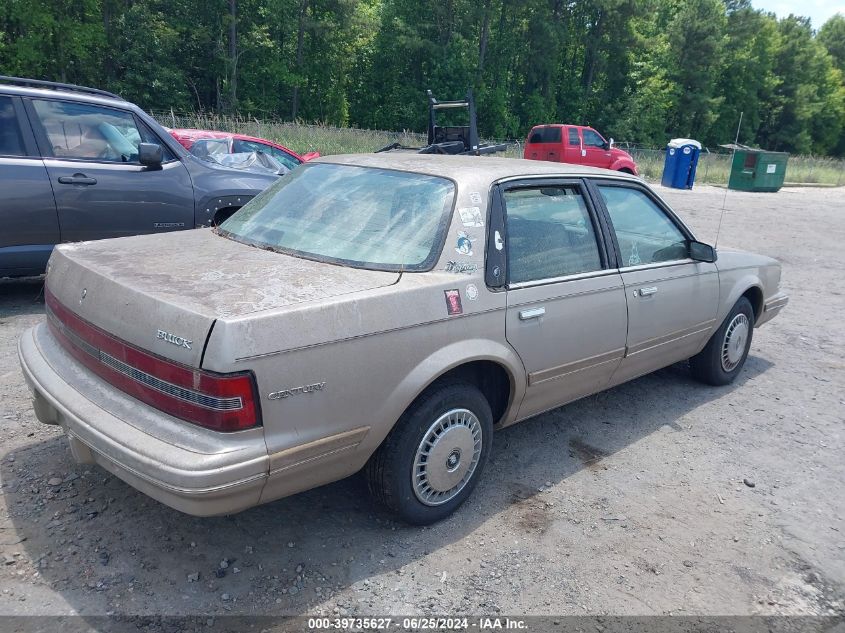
x: 713, y: 168
x: 299, y: 137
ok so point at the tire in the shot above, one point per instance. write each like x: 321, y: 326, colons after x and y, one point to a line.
x: 457, y: 421
x: 626, y: 170
x: 721, y: 360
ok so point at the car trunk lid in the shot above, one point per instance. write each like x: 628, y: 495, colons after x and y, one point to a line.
x: 163, y: 293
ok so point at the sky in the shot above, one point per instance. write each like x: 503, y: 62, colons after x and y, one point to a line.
x: 819, y: 11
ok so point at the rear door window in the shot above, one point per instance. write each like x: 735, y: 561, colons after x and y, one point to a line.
x: 549, y: 234
x: 11, y: 142
x: 574, y: 137
x: 545, y: 135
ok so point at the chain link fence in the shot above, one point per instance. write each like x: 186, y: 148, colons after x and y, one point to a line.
x: 713, y: 167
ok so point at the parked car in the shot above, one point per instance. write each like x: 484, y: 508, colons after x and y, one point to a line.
x: 238, y: 143
x: 83, y: 164
x: 576, y: 144
x: 219, y: 150
x: 383, y: 312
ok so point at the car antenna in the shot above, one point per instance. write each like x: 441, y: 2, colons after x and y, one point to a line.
x: 727, y: 185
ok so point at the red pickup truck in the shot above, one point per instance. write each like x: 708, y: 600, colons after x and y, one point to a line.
x: 577, y: 144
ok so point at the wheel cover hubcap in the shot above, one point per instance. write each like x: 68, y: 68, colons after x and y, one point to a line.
x: 447, y: 457
x: 736, y: 338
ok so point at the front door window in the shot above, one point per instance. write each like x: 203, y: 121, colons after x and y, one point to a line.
x: 646, y: 235
x: 280, y: 155
x: 593, y: 139
x: 85, y: 132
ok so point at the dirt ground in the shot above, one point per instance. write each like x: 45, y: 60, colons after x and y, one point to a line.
x: 631, y: 502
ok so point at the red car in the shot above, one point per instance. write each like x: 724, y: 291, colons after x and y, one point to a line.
x: 243, y: 143
x: 577, y: 144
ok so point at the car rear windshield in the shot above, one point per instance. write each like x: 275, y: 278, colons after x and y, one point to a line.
x: 357, y: 216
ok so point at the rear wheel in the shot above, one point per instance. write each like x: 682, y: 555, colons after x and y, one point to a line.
x: 433, y: 458
x: 723, y: 357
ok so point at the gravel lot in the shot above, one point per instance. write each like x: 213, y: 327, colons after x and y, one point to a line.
x: 629, y: 502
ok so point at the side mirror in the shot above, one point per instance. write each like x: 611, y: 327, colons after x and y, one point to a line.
x: 610, y: 143
x: 701, y: 252
x: 150, y: 154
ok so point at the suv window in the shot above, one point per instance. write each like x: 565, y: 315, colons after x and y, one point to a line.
x: 252, y: 146
x: 87, y: 132
x: 550, y: 234
x: 11, y: 142
x: 545, y: 135
x: 645, y: 233
x: 593, y: 139
x: 574, y: 137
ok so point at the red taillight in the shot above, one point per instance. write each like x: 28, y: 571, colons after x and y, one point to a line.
x: 222, y: 402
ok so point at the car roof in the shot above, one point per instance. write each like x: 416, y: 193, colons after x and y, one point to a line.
x: 463, y: 168
x: 561, y: 125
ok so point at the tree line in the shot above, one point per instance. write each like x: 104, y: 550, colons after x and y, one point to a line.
x: 638, y: 70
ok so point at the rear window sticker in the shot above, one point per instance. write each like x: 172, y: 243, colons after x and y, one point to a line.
x: 464, y: 244
x: 471, y: 216
x: 472, y: 292
x: 475, y: 197
x: 634, y: 259
x: 453, y: 302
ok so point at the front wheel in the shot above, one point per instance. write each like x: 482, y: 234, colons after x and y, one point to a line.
x: 433, y: 458
x: 222, y: 215
x: 723, y: 357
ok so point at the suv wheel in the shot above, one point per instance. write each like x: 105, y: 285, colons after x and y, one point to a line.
x: 222, y: 215
x: 433, y: 458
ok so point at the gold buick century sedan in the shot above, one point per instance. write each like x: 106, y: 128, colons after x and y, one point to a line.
x: 383, y: 312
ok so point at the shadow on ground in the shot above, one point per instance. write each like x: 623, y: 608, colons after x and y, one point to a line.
x: 21, y: 296
x: 105, y: 548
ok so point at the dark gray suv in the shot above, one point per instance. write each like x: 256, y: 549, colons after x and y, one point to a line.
x: 83, y: 164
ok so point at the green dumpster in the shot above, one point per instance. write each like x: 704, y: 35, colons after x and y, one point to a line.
x: 757, y: 170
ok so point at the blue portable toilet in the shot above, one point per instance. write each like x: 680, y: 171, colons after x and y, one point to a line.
x: 680, y: 164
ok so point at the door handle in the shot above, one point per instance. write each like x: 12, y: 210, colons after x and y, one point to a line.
x: 645, y: 292
x: 77, y: 179
x: 533, y: 313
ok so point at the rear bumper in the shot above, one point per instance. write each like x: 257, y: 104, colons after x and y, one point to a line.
x: 772, y: 307
x: 188, y: 468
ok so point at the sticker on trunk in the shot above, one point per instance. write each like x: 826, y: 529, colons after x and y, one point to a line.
x: 461, y: 267
x: 453, y: 302
x: 471, y: 216
x: 472, y: 292
x: 464, y: 244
